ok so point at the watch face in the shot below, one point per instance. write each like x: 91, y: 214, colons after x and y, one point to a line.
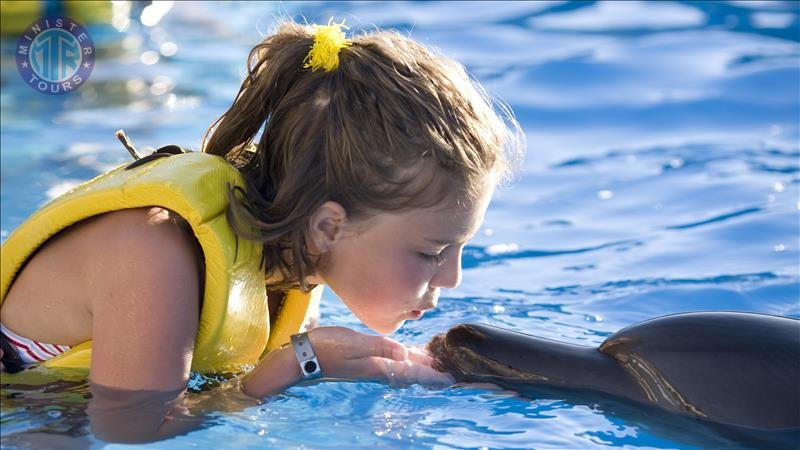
x: 306, y: 357
x: 310, y: 367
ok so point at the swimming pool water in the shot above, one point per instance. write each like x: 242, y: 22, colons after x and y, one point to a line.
x: 662, y: 175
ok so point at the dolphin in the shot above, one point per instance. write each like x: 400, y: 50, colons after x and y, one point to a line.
x: 729, y: 368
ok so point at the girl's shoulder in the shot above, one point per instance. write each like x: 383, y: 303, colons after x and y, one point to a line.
x: 92, y: 256
x: 106, y: 260
x: 136, y: 226
x: 150, y: 239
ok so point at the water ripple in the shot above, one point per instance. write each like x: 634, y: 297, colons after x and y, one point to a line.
x: 476, y: 255
x: 681, y: 115
x: 719, y: 218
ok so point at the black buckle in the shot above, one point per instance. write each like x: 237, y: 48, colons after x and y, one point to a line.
x: 167, y: 150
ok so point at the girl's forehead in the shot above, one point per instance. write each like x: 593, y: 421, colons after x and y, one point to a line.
x: 442, y: 224
x: 449, y: 221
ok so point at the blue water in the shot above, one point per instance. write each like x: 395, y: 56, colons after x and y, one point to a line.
x: 662, y: 175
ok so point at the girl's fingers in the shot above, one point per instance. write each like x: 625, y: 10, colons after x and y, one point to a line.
x: 348, y: 354
x: 409, y: 372
x: 420, y: 356
x: 378, y: 369
x: 340, y: 343
x: 367, y: 345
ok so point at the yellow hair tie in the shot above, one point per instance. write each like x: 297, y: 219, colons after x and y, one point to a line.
x: 329, y: 40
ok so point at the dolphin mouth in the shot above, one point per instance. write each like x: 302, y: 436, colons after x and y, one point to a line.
x: 448, y: 349
x: 460, y: 351
x: 437, y: 348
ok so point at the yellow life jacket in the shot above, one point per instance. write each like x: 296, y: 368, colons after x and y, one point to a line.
x: 234, y: 327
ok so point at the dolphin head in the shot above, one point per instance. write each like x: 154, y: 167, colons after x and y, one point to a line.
x: 484, y: 353
x: 478, y: 352
x: 453, y: 351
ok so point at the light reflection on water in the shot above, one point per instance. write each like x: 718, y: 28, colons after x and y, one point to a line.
x: 661, y: 176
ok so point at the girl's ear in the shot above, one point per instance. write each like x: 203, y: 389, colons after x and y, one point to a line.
x: 326, y: 227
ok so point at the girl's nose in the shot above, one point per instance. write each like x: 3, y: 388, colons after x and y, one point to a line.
x: 449, y: 274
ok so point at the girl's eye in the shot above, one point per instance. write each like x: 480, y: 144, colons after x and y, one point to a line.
x: 435, y: 259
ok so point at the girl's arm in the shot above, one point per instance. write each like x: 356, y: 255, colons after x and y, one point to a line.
x: 345, y: 354
x: 146, y: 302
x: 144, y: 285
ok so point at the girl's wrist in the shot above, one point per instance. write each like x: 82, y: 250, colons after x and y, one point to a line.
x: 276, y: 372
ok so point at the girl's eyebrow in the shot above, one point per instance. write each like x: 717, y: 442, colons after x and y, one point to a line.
x: 462, y: 238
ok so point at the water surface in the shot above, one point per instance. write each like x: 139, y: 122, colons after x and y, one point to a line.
x: 662, y: 175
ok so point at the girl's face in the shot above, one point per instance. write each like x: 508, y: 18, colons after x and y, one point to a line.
x: 390, y: 268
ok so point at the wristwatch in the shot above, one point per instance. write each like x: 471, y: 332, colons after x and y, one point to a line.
x: 309, y: 365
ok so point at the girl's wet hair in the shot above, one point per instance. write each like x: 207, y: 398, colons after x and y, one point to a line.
x: 394, y: 127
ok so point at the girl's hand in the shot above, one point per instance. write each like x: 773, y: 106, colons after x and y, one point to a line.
x: 347, y: 354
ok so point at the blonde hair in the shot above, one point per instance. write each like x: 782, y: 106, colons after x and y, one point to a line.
x: 361, y: 135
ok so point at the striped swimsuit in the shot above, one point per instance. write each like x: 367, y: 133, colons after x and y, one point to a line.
x: 29, y: 351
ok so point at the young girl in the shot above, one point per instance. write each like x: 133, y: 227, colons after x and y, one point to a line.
x: 375, y: 164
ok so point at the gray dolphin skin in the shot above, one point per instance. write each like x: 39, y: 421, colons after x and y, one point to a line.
x: 729, y: 368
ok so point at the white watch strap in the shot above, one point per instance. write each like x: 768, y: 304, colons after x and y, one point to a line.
x: 309, y: 365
